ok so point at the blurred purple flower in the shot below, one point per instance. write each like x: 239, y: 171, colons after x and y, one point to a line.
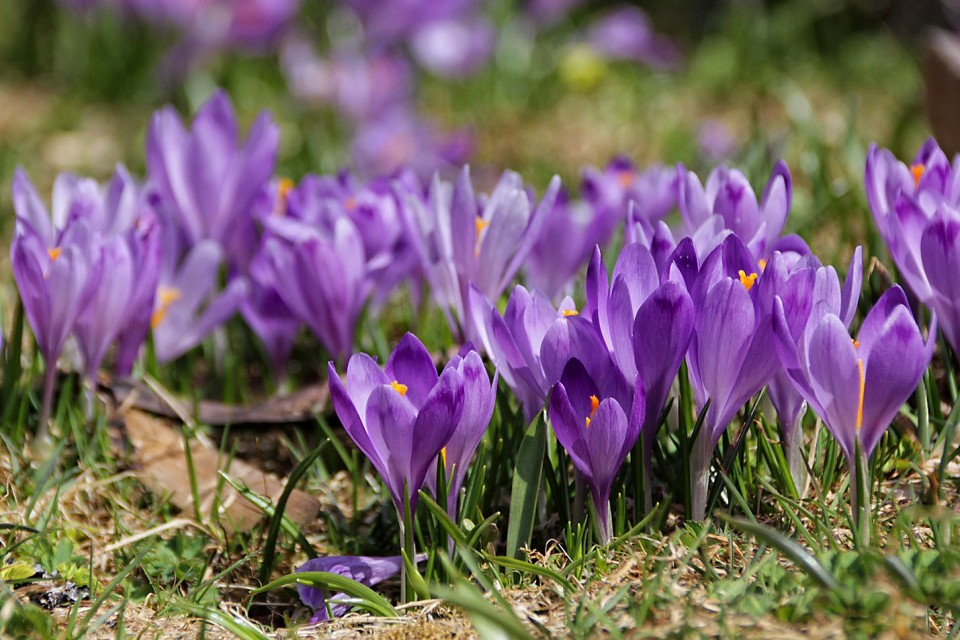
x: 120, y: 222
x: 653, y: 191
x: 178, y: 322
x: 464, y: 240
x: 269, y: 316
x: 729, y: 202
x: 320, y: 275
x: 625, y: 33
x: 400, y: 416
x: 401, y: 139
x: 715, y: 140
x: 55, y: 284
x: 359, y: 86
x: 903, y: 201
x: 207, y: 186
x: 453, y: 48
x: 578, y: 228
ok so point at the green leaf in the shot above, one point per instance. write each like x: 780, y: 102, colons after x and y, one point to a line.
x: 237, y: 626
x: 797, y: 554
x: 528, y: 567
x: 17, y: 572
x: 366, y: 598
x: 526, y: 487
x: 276, y: 520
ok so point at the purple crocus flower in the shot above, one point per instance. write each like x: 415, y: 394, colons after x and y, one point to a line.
x: 732, y: 354
x: 578, y: 228
x: 514, y: 342
x: 626, y: 34
x: 729, y: 199
x: 463, y: 240
x: 361, y: 86
x: 940, y: 251
x: 453, y: 48
x: 856, y: 386
x: 597, y: 424
x: 400, y: 416
x: 119, y: 219
x: 646, y: 326
x: 374, y: 209
x: 366, y: 570
x: 178, y: 322
x: 789, y: 403
x: 400, y: 139
x: 653, y: 191
x: 321, y: 276
x: 55, y: 284
x: 905, y: 199
x: 269, y: 316
x: 208, y: 186
x: 479, y: 397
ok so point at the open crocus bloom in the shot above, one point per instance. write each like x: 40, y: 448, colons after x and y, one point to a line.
x: 856, y: 386
x: 400, y: 416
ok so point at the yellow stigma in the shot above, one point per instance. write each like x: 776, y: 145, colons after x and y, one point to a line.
x: 863, y: 387
x: 747, y: 280
x: 167, y: 295
x: 855, y: 343
x: 481, y: 225
x: 763, y: 264
x: 570, y: 312
x: 399, y: 388
x: 443, y: 456
x: 284, y: 187
x: 594, y: 403
x: 917, y: 171
x: 54, y: 253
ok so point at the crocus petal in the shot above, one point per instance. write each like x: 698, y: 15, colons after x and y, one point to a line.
x: 835, y: 376
x: 390, y: 422
x: 894, y: 366
x: 411, y: 364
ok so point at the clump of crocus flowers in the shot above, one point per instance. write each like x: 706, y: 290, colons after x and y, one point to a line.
x: 724, y: 297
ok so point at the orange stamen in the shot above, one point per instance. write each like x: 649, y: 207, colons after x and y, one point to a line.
x: 863, y: 388
x: 917, y: 171
x: 167, y: 295
x: 351, y: 204
x: 747, y: 280
x: 481, y: 225
x: 284, y: 187
x: 570, y: 312
x: 625, y: 178
x: 855, y: 343
x: 399, y: 388
x: 54, y: 253
x: 594, y: 403
x: 763, y: 264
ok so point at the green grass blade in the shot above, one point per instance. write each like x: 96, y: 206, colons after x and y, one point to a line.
x: 797, y: 554
x: 526, y: 486
x: 276, y: 520
x: 366, y: 598
x: 237, y: 626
